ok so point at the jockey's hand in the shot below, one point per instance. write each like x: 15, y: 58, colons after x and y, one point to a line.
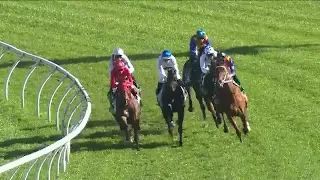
x: 114, y: 90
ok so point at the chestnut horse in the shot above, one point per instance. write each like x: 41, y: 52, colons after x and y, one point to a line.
x: 128, y: 111
x: 232, y: 102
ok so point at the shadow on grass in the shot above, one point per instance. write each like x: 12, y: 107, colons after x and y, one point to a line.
x: 101, y: 123
x: 11, y: 154
x: 17, y: 153
x: 242, y: 50
x: 37, y: 128
x: 100, y: 146
x: 30, y: 140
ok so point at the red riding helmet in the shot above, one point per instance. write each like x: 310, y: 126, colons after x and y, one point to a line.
x: 119, y: 65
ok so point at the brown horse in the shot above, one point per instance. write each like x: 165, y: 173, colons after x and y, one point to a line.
x: 128, y: 111
x: 232, y: 102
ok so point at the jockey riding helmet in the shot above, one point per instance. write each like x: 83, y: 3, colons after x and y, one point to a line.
x: 201, y: 33
x: 118, y: 52
x: 166, y: 54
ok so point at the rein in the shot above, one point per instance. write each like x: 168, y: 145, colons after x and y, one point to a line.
x: 225, y: 76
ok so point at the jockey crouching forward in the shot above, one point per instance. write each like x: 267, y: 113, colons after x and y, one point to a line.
x: 164, y: 61
x: 118, y: 53
x: 229, y: 63
x: 198, y: 42
x: 205, y: 61
x: 119, y: 73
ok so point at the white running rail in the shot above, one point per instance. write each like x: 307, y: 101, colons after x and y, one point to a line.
x: 69, y: 125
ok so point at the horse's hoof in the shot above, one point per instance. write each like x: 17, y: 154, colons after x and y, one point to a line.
x: 241, y: 140
x: 180, y: 144
x: 190, y: 109
x: 225, y: 130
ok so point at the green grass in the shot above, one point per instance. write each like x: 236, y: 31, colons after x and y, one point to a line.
x: 275, y: 47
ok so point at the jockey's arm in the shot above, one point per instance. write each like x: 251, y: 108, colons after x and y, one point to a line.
x: 128, y: 63
x: 161, y: 71
x: 203, y: 66
x: 113, y: 80
x: 175, y: 66
x: 110, y: 67
x: 128, y: 74
x: 193, y: 48
x: 232, y: 67
x: 209, y: 43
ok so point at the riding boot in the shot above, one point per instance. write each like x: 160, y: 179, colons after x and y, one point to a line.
x: 158, y: 90
x: 236, y: 79
x: 135, y: 82
x: 202, y: 85
x: 110, y: 97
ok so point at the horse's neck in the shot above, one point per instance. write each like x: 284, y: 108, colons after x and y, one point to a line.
x: 229, y: 88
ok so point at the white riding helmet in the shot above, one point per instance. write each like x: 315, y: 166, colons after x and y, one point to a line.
x: 118, y: 52
x: 209, y: 50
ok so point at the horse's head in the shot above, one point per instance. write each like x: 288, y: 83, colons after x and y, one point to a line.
x: 123, y: 91
x: 223, y: 75
x: 172, y: 75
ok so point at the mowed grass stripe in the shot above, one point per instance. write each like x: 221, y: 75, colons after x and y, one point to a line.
x: 275, y: 49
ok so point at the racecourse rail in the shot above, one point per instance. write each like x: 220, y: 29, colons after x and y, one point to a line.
x: 69, y: 125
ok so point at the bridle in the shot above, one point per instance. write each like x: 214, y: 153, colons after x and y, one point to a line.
x: 222, y: 82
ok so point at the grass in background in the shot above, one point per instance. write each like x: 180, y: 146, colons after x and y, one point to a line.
x: 275, y: 47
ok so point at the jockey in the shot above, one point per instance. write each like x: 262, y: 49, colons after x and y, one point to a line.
x: 205, y: 60
x: 166, y: 60
x: 122, y: 73
x: 197, y: 44
x: 229, y: 63
x: 119, y: 53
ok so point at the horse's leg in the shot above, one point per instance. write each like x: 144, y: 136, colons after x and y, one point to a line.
x: 200, y: 99
x: 225, y: 127
x: 234, y: 124
x: 136, y: 130
x: 244, y: 118
x: 190, y: 109
x: 170, y: 124
x: 168, y: 118
x: 180, y: 123
x: 211, y: 109
x: 125, y: 128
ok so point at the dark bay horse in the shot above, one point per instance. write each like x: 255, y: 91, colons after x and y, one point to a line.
x: 210, y: 94
x: 128, y: 111
x: 195, y: 83
x: 172, y: 100
x: 233, y: 103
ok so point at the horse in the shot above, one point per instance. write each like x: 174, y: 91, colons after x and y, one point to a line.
x: 210, y: 94
x: 233, y: 102
x: 128, y: 111
x: 172, y: 100
x: 195, y: 83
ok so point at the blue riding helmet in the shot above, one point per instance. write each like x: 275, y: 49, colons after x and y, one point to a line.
x: 201, y: 33
x: 166, y: 54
